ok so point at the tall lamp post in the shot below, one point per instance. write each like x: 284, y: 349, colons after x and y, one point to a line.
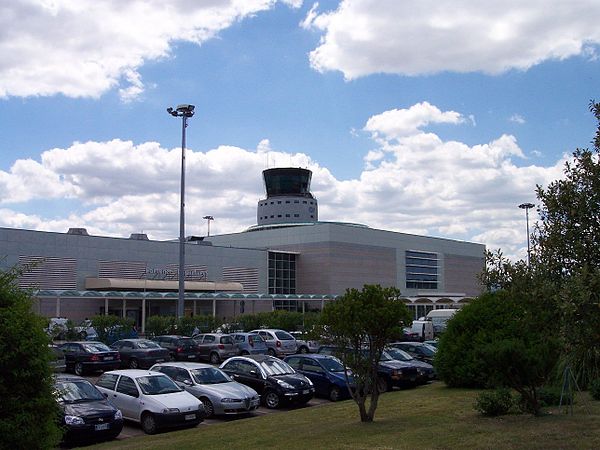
x: 527, y: 207
x: 185, y: 112
x: 208, y: 219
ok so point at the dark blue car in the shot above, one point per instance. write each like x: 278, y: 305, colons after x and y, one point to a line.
x: 325, y: 371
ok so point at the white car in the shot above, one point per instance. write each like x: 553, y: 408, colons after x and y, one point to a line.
x: 150, y: 398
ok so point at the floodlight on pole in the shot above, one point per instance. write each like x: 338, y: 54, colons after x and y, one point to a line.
x: 527, y: 207
x: 185, y: 112
x: 208, y: 219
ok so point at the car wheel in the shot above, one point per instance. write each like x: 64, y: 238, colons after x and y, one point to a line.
x: 148, y: 423
x: 383, y: 384
x: 214, y: 358
x: 133, y: 363
x: 271, y: 352
x: 272, y: 400
x: 303, y: 350
x: 334, y: 393
x: 78, y: 369
x: 208, y: 407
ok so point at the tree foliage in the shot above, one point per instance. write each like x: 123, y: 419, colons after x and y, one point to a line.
x: 28, y: 409
x: 360, y: 324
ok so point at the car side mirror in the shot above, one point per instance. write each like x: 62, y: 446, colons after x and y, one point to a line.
x: 105, y: 395
x: 187, y: 382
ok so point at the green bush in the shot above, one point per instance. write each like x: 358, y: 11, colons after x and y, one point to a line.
x: 550, y: 395
x: 494, y: 403
x: 595, y: 389
x: 158, y: 325
x: 28, y: 409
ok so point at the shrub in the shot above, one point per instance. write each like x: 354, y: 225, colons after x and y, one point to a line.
x: 595, y: 389
x: 550, y: 395
x: 28, y: 409
x: 494, y: 403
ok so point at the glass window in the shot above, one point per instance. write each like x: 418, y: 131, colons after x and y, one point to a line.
x: 274, y: 366
x: 210, y: 375
x: 147, y: 344
x: 108, y: 381
x: 226, y: 340
x: 77, y: 391
x: 127, y: 386
x: 208, y: 339
x: 157, y: 384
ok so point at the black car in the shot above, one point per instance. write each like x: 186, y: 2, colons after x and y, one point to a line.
x: 390, y: 372
x: 275, y: 381
x: 418, y: 350
x: 86, y: 414
x: 181, y: 348
x: 140, y: 353
x: 327, y: 373
x: 81, y: 357
x: 425, y: 371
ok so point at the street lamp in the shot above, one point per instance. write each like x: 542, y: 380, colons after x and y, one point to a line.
x: 527, y: 207
x: 208, y: 219
x: 185, y: 112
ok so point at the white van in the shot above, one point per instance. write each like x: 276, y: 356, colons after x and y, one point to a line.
x: 439, y: 318
x: 423, y: 329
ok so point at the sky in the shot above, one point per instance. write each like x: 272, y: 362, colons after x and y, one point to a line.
x: 427, y: 117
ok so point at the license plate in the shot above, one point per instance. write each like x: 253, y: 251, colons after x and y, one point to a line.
x: 190, y: 416
x: 102, y: 426
x: 108, y: 358
x: 191, y: 356
x: 305, y: 391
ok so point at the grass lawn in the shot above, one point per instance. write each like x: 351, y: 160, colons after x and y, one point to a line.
x: 427, y: 417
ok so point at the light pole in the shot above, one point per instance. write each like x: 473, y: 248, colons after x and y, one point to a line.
x: 208, y: 219
x: 185, y: 112
x: 527, y: 207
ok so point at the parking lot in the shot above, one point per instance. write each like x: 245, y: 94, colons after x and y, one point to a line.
x: 132, y: 429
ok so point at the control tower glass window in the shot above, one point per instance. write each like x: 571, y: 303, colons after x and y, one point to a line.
x: 287, y: 181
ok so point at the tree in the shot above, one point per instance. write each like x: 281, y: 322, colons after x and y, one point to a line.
x: 28, y: 409
x: 360, y: 324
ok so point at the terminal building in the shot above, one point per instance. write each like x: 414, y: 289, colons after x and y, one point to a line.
x: 288, y: 260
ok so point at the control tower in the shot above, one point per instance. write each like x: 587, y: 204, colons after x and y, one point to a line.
x: 288, y: 197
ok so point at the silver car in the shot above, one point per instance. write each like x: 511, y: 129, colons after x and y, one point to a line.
x: 279, y: 342
x: 213, y: 387
x: 215, y: 347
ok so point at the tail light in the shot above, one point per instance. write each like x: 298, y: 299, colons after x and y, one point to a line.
x: 250, y: 341
x: 94, y: 358
x: 278, y: 344
x: 179, y: 349
x: 118, y: 356
x: 221, y: 347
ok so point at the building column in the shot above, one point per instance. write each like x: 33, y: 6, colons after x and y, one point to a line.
x: 58, y: 306
x: 194, y: 307
x: 144, y: 315
x: 214, y: 307
x: 124, y: 308
x: 106, y: 306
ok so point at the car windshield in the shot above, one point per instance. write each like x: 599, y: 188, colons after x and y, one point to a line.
x: 332, y: 364
x: 157, y: 384
x: 396, y: 353
x: 95, y: 347
x: 209, y: 375
x: 276, y: 367
x: 147, y: 344
x: 77, y: 392
x: 428, y: 350
x: 284, y: 336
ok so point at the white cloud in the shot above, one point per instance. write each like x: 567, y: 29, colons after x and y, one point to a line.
x: 517, y: 118
x: 430, y: 36
x: 413, y: 181
x: 84, y: 48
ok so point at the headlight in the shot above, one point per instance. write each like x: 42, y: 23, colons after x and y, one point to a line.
x: 284, y: 385
x: 421, y: 371
x: 171, y: 411
x: 229, y: 400
x: 74, y: 420
x: 118, y: 415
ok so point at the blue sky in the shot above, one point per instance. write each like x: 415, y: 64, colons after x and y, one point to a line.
x: 426, y: 117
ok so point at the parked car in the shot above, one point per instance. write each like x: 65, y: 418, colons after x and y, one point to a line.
x: 57, y: 327
x: 326, y: 372
x: 390, y: 372
x: 151, y: 398
x: 418, y: 350
x: 215, y: 347
x: 81, y: 357
x: 250, y: 344
x: 86, y: 331
x: 86, y: 415
x: 304, y: 344
x: 219, y: 394
x: 140, y: 353
x: 57, y: 358
x: 279, y: 342
x: 425, y: 371
x: 273, y: 379
x: 432, y: 342
x: 181, y: 348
